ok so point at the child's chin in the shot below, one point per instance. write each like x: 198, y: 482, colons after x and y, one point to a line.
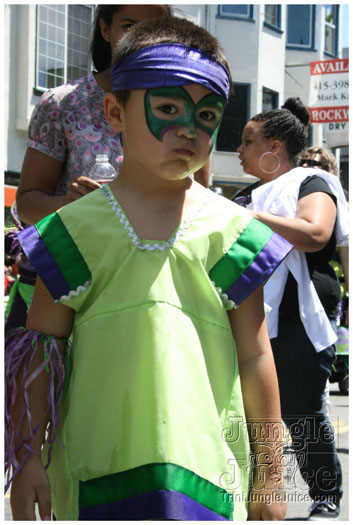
x: 181, y: 170
x: 178, y: 175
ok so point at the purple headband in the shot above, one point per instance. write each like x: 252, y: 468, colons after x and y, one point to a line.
x: 167, y: 65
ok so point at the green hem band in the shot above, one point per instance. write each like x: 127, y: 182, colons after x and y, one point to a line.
x: 152, y: 477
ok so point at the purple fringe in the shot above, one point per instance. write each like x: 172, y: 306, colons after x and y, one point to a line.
x: 13, y: 246
x: 20, y: 348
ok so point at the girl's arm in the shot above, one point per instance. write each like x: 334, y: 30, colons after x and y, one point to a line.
x: 262, y: 407
x: 313, y: 226
x: 49, y: 317
x: 36, y: 191
x: 31, y: 484
x: 344, y: 256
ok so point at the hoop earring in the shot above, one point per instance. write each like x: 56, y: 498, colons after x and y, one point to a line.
x: 269, y: 153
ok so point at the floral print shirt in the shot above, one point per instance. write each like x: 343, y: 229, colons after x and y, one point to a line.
x: 68, y: 124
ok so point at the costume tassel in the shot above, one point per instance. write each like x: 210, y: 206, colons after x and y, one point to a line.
x: 21, y: 346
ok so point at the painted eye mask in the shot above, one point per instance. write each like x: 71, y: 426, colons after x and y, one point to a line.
x: 167, y: 108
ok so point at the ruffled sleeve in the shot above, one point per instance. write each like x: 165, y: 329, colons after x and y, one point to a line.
x: 248, y: 262
x: 46, y: 132
x: 56, y: 257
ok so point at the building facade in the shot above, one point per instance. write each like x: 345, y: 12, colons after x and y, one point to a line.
x: 268, y: 48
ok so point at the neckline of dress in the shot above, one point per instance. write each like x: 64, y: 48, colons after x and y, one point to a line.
x: 148, y: 244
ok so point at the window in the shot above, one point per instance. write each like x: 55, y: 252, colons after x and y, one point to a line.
x: 243, y: 11
x: 235, y: 117
x: 63, y: 40
x: 269, y: 99
x: 300, y: 26
x: 273, y: 16
x: 331, y: 17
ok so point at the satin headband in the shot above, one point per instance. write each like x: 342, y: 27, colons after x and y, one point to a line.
x: 167, y: 65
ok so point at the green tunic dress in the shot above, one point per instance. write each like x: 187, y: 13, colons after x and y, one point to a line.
x: 152, y: 423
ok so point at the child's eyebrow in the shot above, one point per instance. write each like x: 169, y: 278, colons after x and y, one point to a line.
x: 169, y: 97
x: 174, y: 98
x: 127, y: 19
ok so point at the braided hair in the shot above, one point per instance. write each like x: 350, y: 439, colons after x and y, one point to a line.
x: 289, y: 124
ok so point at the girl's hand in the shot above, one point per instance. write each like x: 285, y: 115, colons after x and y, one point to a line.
x: 30, y: 486
x: 267, y: 505
x: 80, y: 187
x: 267, y: 499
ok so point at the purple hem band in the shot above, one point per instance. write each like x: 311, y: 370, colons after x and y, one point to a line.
x: 273, y: 253
x: 156, y: 505
x: 43, y: 262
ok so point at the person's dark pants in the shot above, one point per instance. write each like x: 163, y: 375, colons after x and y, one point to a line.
x: 302, y: 374
x: 19, y: 309
x: 18, y: 313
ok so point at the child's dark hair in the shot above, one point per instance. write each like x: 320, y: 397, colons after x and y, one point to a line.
x: 170, y: 29
x: 289, y: 124
x: 100, y: 49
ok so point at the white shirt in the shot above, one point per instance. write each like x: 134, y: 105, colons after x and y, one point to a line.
x: 280, y: 197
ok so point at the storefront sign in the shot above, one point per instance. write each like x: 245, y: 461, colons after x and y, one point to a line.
x: 337, y: 134
x: 329, y: 91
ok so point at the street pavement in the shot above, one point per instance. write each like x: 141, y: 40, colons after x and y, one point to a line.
x: 297, y: 493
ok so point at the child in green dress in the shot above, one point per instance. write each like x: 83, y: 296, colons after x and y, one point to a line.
x: 169, y: 408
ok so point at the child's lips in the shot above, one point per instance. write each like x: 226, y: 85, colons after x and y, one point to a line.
x: 185, y: 152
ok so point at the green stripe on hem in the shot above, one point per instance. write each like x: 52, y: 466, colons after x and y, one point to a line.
x: 155, y: 476
x: 64, y: 251
x: 241, y: 254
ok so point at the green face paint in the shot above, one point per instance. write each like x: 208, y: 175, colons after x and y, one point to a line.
x: 167, y: 108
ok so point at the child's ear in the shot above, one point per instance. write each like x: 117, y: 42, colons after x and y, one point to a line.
x: 113, y: 112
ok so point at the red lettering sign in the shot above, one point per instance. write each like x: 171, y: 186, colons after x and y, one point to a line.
x: 324, y: 67
x: 329, y: 114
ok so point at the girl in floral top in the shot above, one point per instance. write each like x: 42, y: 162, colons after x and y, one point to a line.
x: 67, y: 130
x: 68, y: 127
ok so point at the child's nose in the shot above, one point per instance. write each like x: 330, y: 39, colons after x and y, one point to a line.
x: 188, y: 131
x: 239, y: 148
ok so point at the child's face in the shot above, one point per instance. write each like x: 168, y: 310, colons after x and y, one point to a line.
x: 171, y: 108
x: 172, y: 130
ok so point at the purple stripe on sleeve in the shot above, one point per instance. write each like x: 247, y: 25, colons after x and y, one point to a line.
x: 272, y: 254
x: 43, y: 262
x: 156, y: 505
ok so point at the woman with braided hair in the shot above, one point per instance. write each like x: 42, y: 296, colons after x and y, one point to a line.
x: 307, y: 207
